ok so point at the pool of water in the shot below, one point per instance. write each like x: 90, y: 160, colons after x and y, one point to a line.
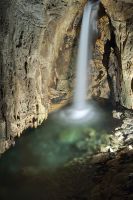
x: 40, y: 155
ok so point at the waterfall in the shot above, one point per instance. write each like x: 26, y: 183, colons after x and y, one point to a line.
x: 87, y: 36
x: 81, y: 111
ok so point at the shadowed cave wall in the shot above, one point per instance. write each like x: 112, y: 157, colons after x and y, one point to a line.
x: 38, y: 44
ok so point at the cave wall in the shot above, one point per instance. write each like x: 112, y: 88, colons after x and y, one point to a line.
x: 36, y: 41
x: 120, y: 56
x: 38, y: 45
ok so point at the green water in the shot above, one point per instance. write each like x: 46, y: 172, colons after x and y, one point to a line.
x: 50, y: 146
x: 43, y: 152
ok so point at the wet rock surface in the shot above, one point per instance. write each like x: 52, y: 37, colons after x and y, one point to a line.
x: 122, y: 136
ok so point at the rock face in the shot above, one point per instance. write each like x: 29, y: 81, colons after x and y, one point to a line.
x: 120, y: 56
x: 99, y: 77
x: 38, y: 43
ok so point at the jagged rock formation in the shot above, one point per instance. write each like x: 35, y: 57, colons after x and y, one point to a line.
x: 38, y: 42
x: 120, y: 56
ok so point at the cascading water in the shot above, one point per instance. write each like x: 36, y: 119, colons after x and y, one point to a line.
x: 40, y: 162
x: 87, y: 35
x: 80, y: 109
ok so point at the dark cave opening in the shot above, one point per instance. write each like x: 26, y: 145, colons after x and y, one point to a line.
x: 132, y: 85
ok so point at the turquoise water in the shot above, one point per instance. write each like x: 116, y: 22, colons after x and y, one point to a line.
x: 44, y: 151
x: 50, y: 146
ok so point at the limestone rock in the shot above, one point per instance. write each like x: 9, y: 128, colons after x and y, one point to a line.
x: 36, y: 41
x: 99, y: 81
x: 121, y: 15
